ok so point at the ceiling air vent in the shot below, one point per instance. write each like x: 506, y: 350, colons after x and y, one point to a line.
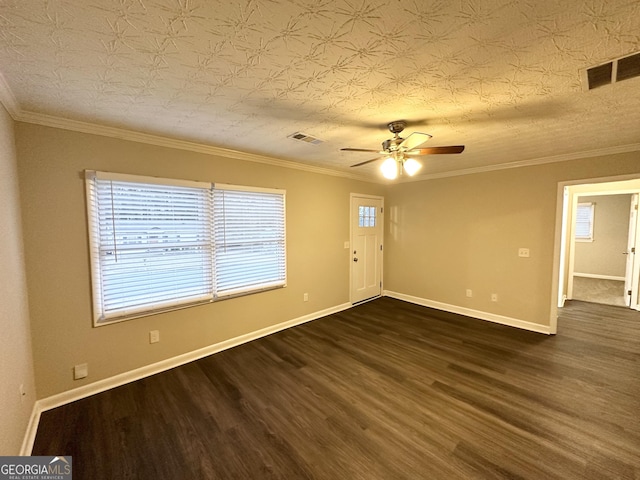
x: 600, y: 75
x: 303, y: 137
x: 628, y: 67
x: 612, y: 72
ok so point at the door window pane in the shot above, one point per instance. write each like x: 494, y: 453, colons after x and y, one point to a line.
x: 366, y: 216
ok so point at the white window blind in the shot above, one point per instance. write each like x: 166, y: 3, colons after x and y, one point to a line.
x: 161, y: 244
x: 249, y: 239
x: 584, y: 222
x: 151, y: 245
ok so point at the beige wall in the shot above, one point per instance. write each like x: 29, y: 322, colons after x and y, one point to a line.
x: 603, y: 256
x: 442, y: 237
x: 448, y: 235
x: 51, y: 162
x: 16, y: 365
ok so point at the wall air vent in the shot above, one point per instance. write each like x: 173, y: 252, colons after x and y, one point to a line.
x: 303, y: 137
x: 612, y: 72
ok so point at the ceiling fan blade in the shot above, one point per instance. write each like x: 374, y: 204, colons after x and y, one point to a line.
x: 358, y: 150
x: 414, y: 140
x: 364, y: 163
x: 437, y: 150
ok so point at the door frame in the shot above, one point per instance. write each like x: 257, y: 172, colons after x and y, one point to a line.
x: 351, y: 232
x: 632, y: 273
x: 563, y: 231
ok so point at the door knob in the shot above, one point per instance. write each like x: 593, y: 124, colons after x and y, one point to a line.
x: 355, y: 259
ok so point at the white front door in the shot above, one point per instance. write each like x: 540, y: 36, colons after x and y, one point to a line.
x: 366, y: 247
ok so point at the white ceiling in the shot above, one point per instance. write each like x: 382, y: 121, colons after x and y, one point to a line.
x: 499, y: 76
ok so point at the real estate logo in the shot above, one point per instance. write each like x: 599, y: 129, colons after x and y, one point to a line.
x: 35, y: 468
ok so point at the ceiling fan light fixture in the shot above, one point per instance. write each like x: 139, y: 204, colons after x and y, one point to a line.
x: 398, y: 151
x: 389, y: 168
x: 411, y: 166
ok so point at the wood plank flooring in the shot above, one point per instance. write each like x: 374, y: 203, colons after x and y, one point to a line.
x: 385, y: 390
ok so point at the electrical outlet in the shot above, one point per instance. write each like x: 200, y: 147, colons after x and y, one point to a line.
x: 305, y: 297
x: 80, y: 371
x: 469, y: 293
x: 494, y: 297
x: 154, y: 336
x: 523, y: 252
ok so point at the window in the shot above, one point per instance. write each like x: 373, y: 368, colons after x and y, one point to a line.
x: 160, y: 244
x: 366, y: 216
x: 249, y: 239
x: 584, y: 222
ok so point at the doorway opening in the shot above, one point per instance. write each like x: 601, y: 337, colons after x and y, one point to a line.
x: 572, y: 263
x: 601, y: 253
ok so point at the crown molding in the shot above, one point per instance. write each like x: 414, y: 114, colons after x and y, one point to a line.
x: 162, y: 141
x: 632, y: 147
x: 9, y: 101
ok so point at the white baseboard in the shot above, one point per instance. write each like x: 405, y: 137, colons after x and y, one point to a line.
x: 32, y: 429
x: 598, y: 276
x: 69, y: 396
x: 468, y: 312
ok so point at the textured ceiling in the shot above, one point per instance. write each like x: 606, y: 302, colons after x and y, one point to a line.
x: 499, y: 76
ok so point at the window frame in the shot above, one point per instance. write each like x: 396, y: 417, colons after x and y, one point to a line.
x: 103, y: 316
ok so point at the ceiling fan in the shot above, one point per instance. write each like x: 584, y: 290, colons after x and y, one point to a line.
x: 399, y: 151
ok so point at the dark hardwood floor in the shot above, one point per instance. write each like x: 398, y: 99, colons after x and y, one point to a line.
x: 385, y: 390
